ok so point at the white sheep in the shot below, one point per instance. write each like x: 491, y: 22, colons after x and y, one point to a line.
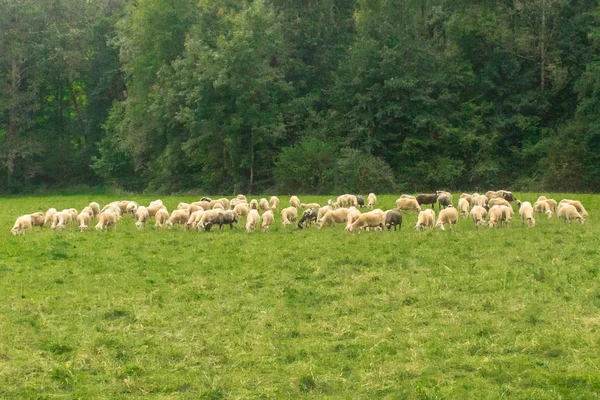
x: 543, y: 207
x: 498, y: 201
x: 83, y: 220
x: 478, y: 214
x: 178, y: 217
x: 310, y: 205
x: 407, y: 203
x: 466, y: 196
x: 496, y: 216
x: 131, y: 207
x: 274, y: 202
x: 371, y: 200
x: 49, y: 214
x: 373, y: 219
x: 289, y: 215
x: 38, y: 219
x: 106, y: 220
x: 569, y: 213
x: 153, y: 209
x: 267, y: 220
x: 142, y: 216
x: 160, y: 217
x: 21, y: 225
x: 463, y: 206
x: 351, y: 217
x: 578, y: 206
x: 242, y: 197
x: 425, y: 219
x: 253, y: 204
x: 479, y: 200
x: 526, y: 212
x: 263, y: 204
x: 194, y: 219
x: 241, y: 210
x: 252, y: 221
x: 332, y: 217
x: 95, y: 208
x: 322, y: 211
x: 295, y: 202
x: 448, y: 216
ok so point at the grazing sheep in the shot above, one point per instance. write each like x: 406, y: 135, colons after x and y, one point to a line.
x: 218, y: 206
x: 322, y: 211
x: 160, y: 217
x: 507, y: 213
x: 252, y: 221
x: 83, y: 221
x: 495, y: 216
x: 504, y: 194
x: 444, y: 199
x: 49, y: 214
x: 351, y: 217
x: 142, y: 216
x: 553, y: 205
x: 578, y: 206
x: 406, y: 204
x: 183, y: 206
x: 498, y: 201
x: 178, y: 217
x: 289, y: 215
x: 131, y: 207
x: 569, y: 213
x: 194, y: 207
x: 448, y: 216
x: 467, y: 197
x: 253, y: 204
x: 242, y: 197
x: 360, y: 201
x: 267, y: 220
x: 155, y: 203
x: 374, y: 219
x: 106, y: 220
x: 543, y: 207
x: 88, y: 210
x: 346, y: 200
x: 274, y: 202
x: 463, y: 206
x: 235, y: 202
x: 21, y: 225
x: 242, y: 210
x: 478, y: 215
x: 229, y: 218
x: 38, y: 219
x: 526, y: 212
x: 224, y: 202
x: 424, y: 199
x: 308, y: 217
x: 218, y: 217
x: 95, y: 208
x: 426, y: 219
x: 493, y: 194
x: 295, y: 202
x: 59, y: 220
x: 264, y: 204
x: 310, y: 205
x: 393, y: 218
x: 371, y: 200
x: 193, y: 220
x: 479, y: 200
x: 153, y: 209
x: 332, y: 217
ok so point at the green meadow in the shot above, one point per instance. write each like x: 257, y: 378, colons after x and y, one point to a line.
x: 299, y: 314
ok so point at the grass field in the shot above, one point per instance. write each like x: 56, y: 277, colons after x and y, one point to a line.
x: 489, y: 313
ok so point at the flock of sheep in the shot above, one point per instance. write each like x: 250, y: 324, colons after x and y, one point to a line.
x: 493, y: 209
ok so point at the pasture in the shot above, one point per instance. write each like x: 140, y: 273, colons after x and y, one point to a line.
x: 487, y: 313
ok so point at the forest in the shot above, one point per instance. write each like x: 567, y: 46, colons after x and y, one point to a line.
x: 299, y: 97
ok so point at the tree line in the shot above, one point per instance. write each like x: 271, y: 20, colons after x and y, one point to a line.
x: 315, y: 96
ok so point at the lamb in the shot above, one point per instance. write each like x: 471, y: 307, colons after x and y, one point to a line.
x: 95, y: 208
x: 83, y: 220
x: 444, y: 199
x: 289, y: 215
x: 447, y: 216
x: 332, y: 217
x: 578, y: 206
x: 424, y: 199
x: 21, y: 225
x: 252, y: 221
x: 254, y: 204
x: 267, y: 220
x: 322, y: 211
x: 295, y: 202
x: 308, y: 216
x: 310, y: 205
x: 49, y: 214
x: 407, y: 204
x: 371, y: 200
x: 526, y: 212
x: 542, y: 207
x: 161, y: 216
x: 264, y: 204
x: 478, y: 214
x: 351, y: 217
x: 393, y: 218
x: 38, y: 219
x: 241, y: 210
x: 569, y: 213
x: 142, y: 216
x: 426, y: 219
x: 178, y: 217
x: 274, y: 202
x: 463, y: 206
x: 373, y: 219
x: 106, y: 220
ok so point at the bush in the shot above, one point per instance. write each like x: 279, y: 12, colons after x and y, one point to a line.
x: 358, y: 172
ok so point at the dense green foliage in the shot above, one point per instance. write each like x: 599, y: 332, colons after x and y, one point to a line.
x: 313, y: 314
x: 306, y: 96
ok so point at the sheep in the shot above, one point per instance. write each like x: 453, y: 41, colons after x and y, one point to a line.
x: 95, y: 208
x: 553, y: 205
x: 131, y: 207
x: 467, y: 197
x: 242, y: 197
x: 224, y: 202
x: 83, y: 221
x: 267, y: 220
x: 178, y: 217
x: 155, y: 203
x: 526, y: 212
x: 360, y: 201
x: 218, y: 206
x: 507, y: 213
x: 38, y: 219
x: 218, y: 217
x: 424, y: 199
x: 407, y: 204
x: 153, y: 209
x: 74, y: 214
x: 160, y: 216
x: 229, y: 218
x: 141, y: 215
x: 49, y: 214
x: 252, y: 221
x: 322, y: 211
x: 194, y: 207
x: 425, y: 219
x: 241, y: 210
x: 233, y: 203
x: 289, y: 215
x: 183, y: 206
x: 21, y: 225
x: 578, y: 206
x: 264, y: 204
x: 569, y: 213
x: 193, y: 220
x: 371, y: 200
x: 504, y: 194
x: 295, y: 202
x: 493, y: 194
x: 59, y: 220
x: 310, y: 205
x: 542, y: 207
x: 346, y: 200
x: 498, y: 201
x: 478, y: 214
x: 448, y: 216
x: 88, y: 210
x: 106, y: 220
x: 352, y: 216
x: 332, y: 217
x: 479, y: 200
x: 253, y: 204
x: 463, y: 206
x: 308, y: 216
x: 373, y: 219
x: 274, y: 202
x: 495, y: 216
x: 444, y: 199
x: 393, y: 218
